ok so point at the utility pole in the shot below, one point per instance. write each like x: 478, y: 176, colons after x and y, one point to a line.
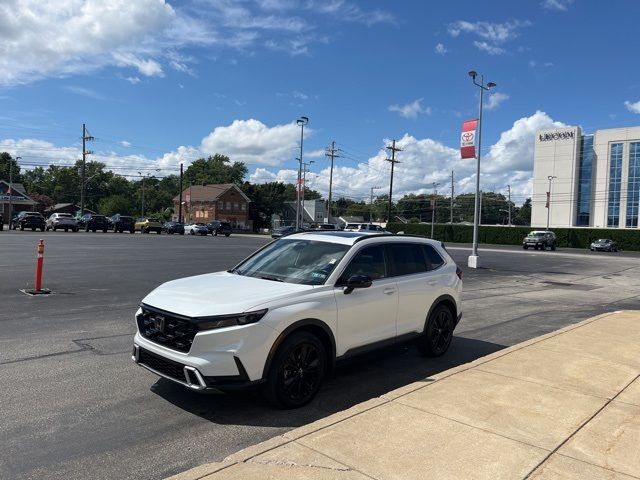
x: 550, y: 177
x: 302, y: 121
x: 371, y: 204
x: 480, y: 210
x: 451, y: 219
x: 180, y: 201
x: 331, y: 152
x: 433, y: 205
x: 11, y: 187
x: 509, y: 200
x: 393, y: 161
x: 304, y: 185
x: 85, y: 152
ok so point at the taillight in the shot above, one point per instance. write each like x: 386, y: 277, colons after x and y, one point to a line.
x: 459, y: 272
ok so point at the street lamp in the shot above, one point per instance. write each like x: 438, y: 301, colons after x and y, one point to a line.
x: 143, y: 177
x: 302, y: 121
x: 550, y: 177
x: 474, y: 260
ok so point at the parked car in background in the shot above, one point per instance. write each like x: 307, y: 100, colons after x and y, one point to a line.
x: 64, y: 221
x: 352, y: 227
x: 219, y: 228
x: 371, y: 228
x: 93, y: 222
x: 251, y: 325
x: 120, y: 223
x: 146, y: 225
x: 173, y: 227
x: 284, y: 231
x: 1, y: 222
x: 604, y: 245
x: 32, y: 220
x: 540, y: 239
x: 324, y: 226
x: 196, y: 229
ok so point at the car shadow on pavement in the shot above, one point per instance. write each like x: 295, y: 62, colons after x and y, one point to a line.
x: 353, y: 381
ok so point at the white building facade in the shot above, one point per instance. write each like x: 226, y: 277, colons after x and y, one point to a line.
x: 586, y: 180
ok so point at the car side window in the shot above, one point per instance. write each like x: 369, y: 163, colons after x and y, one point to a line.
x: 406, y: 259
x: 368, y: 261
x: 434, y: 260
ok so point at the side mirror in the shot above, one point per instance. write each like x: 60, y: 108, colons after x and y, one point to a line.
x: 357, y: 281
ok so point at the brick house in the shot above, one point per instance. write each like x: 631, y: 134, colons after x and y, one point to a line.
x: 204, y: 203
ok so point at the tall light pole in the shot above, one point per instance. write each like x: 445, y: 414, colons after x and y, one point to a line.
x: 474, y: 260
x: 371, y: 203
x: 509, y: 202
x: 433, y: 205
x: 304, y: 185
x: 302, y: 121
x: 550, y: 177
x: 11, y: 187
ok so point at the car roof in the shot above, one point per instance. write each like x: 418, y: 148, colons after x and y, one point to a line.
x: 351, y: 238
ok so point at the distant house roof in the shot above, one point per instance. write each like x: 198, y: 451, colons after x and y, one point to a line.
x: 352, y: 219
x: 19, y: 195
x: 208, y: 193
x: 66, y: 208
x: 19, y: 187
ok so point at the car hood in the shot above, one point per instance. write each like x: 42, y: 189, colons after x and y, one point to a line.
x: 220, y: 293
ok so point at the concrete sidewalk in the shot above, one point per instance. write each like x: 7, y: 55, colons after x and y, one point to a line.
x: 562, y: 406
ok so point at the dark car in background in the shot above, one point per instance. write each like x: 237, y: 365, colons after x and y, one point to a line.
x: 120, y: 223
x: 284, y: 231
x: 173, y: 227
x: 604, y: 245
x: 93, y: 222
x: 1, y: 222
x: 32, y: 220
x: 540, y: 239
x: 217, y: 227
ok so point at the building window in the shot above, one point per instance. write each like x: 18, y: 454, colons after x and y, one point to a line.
x: 633, y: 189
x: 228, y: 205
x: 615, y: 180
x: 220, y: 205
x: 236, y: 206
x: 584, y: 181
x: 243, y: 206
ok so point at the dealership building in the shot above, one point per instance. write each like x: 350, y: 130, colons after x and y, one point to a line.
x: 586, y: 180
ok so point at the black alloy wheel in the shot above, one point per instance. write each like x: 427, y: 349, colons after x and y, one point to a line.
x: 438, y: 332
x: 297, y: 371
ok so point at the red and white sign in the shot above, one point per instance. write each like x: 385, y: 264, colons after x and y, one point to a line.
x: 468, y: 139
x: 548, y: 199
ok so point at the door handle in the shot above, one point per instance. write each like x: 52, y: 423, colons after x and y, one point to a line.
x: 389, y: 291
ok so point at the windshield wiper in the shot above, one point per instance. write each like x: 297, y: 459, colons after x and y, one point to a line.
x: 235, y: 270
x: 273, y: 279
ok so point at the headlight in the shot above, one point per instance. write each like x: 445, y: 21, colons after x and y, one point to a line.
x: 211, y: 323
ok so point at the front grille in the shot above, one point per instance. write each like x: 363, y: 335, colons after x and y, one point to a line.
x: 162, y: 365
x: 166, y: 329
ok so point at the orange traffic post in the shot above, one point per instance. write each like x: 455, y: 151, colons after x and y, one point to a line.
x: 39, y: 262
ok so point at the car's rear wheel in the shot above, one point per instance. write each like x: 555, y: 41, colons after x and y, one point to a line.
x: 438, y: 332
x: 526, y: 247
x: 227, y: 234
x: 553, y: 247
x: 297, y: 371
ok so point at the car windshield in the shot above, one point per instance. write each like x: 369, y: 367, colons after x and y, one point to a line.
x: 602, y: 240
x: 536, y: 234
x: 294, y: 261
x: 64, y: 215
x: 154, y: 220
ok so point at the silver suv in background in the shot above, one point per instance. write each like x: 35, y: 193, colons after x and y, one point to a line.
x: 540, y: 239
x: 63, y: 221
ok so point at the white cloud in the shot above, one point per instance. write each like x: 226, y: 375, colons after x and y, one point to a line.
x: 252, y: 142
x: 125, y: 144
x: 424, y: 161
x: 561, y: 5
x: 495, y: 100
x: 492, y: 32
x: 148, y: 67
x: 133, y: 80
x: 633, y: 107
x: 85, y: 92
x: 440, y: 49
x: 490, y: 49
x: 410, y: 110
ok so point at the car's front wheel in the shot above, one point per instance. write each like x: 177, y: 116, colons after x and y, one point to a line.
x: 297, y: 371
x: 438, y: 333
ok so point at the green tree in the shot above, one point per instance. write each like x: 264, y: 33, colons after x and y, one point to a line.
x: 215, y: 169
x: 113, y: 204
x: 522, y: 214
x: 8, y: 162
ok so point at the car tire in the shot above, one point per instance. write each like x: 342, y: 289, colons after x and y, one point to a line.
x: 297, y: 371
x: 33, y: 229
x: 66, y: 229
x: 535, y: 247
x: 227, y: 234
x: 86, y: 229
x: 158, y: 232
x: 438, y: 332
x: 553, y: 247
x: 22, y: 227
x: 525, y: 247
x: 55, y: 229
x: 215, y: 233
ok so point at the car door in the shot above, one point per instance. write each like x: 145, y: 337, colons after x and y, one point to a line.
x: 418, y: 284
x: 366, y: 315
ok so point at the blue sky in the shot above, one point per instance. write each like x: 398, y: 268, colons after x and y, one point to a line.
x: 160, y: 82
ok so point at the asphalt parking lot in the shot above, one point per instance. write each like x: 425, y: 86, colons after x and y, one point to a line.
x: 75, y: 406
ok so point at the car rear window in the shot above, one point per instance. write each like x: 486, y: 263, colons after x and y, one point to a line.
x: 406, y: 258
x: 433, y: 257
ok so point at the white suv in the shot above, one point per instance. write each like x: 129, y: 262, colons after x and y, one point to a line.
x: 286, y: 314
